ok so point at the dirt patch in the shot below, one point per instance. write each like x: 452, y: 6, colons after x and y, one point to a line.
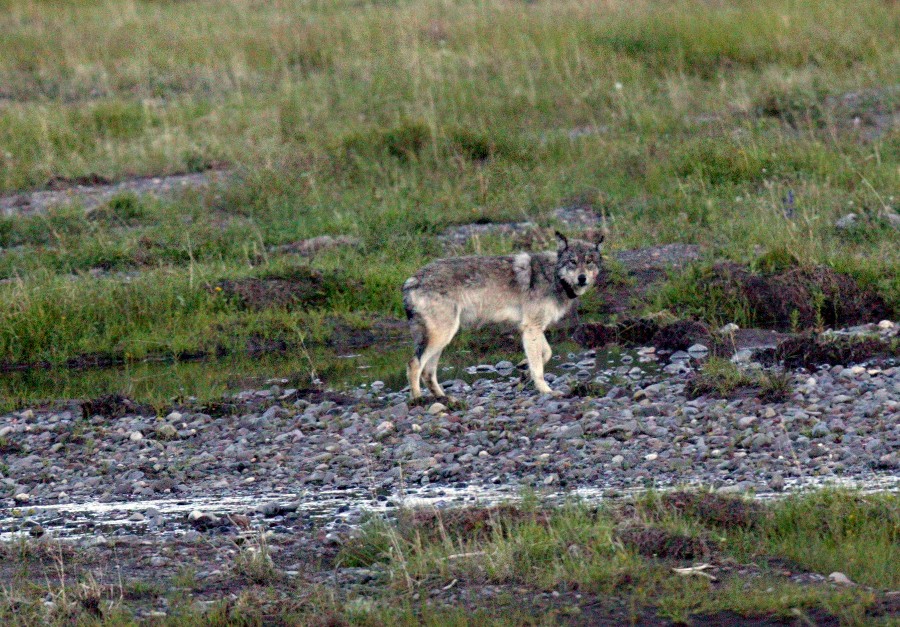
x: 114, y: 406
x: 797, y: 298
x: 659, y: 257
x: 869, y: 112
x: 711, y: 509
x: 579, y: 215
x: 303, y: 287
x: 93, y: 190
x: 663, y: 544
x: 459, y: 235
x: 808, y: 351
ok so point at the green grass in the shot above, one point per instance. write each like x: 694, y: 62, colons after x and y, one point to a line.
x: 391, y: 121
x: 720, y: 377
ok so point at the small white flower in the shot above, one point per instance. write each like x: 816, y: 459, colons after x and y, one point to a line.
x: 619, y: 86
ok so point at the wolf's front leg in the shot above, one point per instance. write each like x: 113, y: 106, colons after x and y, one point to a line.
x: 534, y: 341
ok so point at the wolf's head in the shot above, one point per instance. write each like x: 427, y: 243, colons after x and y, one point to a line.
x: 577, y: 264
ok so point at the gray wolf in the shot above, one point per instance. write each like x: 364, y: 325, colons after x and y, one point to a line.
x: 530, y: 290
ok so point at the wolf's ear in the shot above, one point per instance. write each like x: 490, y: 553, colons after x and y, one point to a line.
x: 599, y: 242
x: 562, y: 242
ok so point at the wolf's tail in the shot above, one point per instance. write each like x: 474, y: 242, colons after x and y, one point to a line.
x: 410, y: 284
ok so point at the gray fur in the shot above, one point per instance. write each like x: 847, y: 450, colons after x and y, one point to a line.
x: 530, y: 290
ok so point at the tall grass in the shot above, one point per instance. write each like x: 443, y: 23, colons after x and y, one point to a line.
x: 391, y: 121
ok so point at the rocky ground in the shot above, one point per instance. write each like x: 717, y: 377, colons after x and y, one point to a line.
x: 630, y: 424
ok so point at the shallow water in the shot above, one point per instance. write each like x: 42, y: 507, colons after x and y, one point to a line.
x: 161, y: 383
x: 321, y: 507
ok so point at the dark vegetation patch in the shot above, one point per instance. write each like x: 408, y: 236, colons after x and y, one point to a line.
x: 664, y: 544
x: 86, y: 361
x: 588, y: 389
x: 680, y: 335
x: 123, y: 209
x: 808, y: 350
x: 220, y: 409
x: 720, y: 377
x: 300, y: 287
x: 9, y: 447
x: 472, y: 523
x: 797, y: 298
x: 709, y: 509
x: 114, y: 406
x: 60, y: 183
x: 317, y: 395
x: 344, y: 336
x: 634, y: 331
x: 674, y: 336
x: 404, y: 141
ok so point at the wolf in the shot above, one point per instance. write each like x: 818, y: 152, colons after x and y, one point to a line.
x: 530, y: 290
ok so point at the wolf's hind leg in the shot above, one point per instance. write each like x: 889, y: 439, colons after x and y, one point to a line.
x: 415, y: 365
x: 438, y: 341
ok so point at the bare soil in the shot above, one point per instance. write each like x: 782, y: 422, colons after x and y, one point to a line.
x: 93, y: 190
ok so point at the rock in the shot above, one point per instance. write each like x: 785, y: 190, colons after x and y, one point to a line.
x: 399, y: 411
x: 886, y: 325
x: 776, y: 483
x: 892, y: 218
x: 840, y: 578
x: 569, y: 432
x: 437, y: 408
x: 743, y: 356
x: 22, y: 497
x: 384, y: 429
x: 136, y: 436
x: 202, y: 521
x: 728, y: 329
x: 820, y: 430
x: 165, y: 432
x: 847, y: 222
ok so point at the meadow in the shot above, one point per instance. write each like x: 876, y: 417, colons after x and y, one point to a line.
x: 747, y: 128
